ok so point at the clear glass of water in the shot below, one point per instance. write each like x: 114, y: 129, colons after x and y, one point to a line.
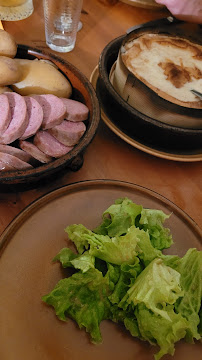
x: 13, y: 10
x: 61, y: 23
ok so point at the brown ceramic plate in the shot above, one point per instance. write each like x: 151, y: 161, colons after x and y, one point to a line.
x: 186, y: 155
x: 29, y: 328
x: 84, y: 92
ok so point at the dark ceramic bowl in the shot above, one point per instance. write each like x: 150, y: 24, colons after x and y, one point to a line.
x: 84, y: 92
x: 134, y: 123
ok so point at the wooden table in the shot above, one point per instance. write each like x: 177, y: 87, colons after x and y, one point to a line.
x: 107, y: 157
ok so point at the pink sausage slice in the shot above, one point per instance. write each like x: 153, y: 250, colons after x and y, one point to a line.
x: 68, y: 132
x: 5, y: 113
x: 19, y: 119
x: 13, y: 161
x: 76, y: 111
x: 22, y: 155
x: 34, y: 151
x: 54, y: 110
x: 35, y: 116
x: 50, y: 145
x: 5, y: 167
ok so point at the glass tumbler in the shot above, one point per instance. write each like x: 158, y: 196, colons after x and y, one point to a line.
x: 12, y: 10
x: 61, y: 23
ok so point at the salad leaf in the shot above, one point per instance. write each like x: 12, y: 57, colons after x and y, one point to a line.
x: 75, y: 233
x: 65, y: 256
x: 127, y: 275
x: 171, y: 260
x: 84, y: 262
x: 118, y: 218
x: 84, y: 298
x: 131, y: 324
x: 146, y: 251
x: 122, y: 275
x: 115, y: 250
x: 152, y: 220
x: 69, y: 259
x: 125, y: 213
x: 159, y: 330
x: 189, y: 305
x: 157, y: 286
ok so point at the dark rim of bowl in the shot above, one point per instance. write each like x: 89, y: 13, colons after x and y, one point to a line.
x: 46, y: 169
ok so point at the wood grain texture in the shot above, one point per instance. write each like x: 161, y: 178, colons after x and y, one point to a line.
x: 108, y: 156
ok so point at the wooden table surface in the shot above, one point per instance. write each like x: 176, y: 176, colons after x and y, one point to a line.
x: 108, y: 156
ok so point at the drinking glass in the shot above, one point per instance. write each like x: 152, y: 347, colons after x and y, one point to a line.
x: 61, y: 23
x: 12, y: 10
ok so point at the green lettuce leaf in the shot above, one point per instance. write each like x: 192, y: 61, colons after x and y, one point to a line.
x: 127, y: 318
x: 127, y: 275
x: 123, y: 276
x: 112, y: 274
x: 157, y: 286
x: 190, y: 268
x: 160, y: 331
x: 74, y: 232
x: 65, y: 256
x: 153, y: 220
x: 131, y: 324
x: 171, y: 260
x: 146, y: 252
x: 68, y: 258
x: 118, y: 218
x: 84, y: 298
x: 125, y: 213
x: 114, y: 250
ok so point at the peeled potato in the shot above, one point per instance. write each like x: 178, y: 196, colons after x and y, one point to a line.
x: 9, y: 71
x: 4, y: 89
x: 40, y: 77
x: 8, y: 45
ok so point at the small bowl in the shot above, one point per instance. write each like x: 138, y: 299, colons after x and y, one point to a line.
x: 82, y: 91
x: 132, y: 121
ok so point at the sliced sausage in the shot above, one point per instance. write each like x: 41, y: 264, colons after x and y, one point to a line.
x: 54, y: 110
x: 35, y: 116
x: 76, y: 111
x: 68, y: 132
x: 50, y: 145
x: 14, y: 162
x: 22, y: 155
x: 5, y: 167
x: 5, y: 113
x: 34, y: 151
x: 19, y: 119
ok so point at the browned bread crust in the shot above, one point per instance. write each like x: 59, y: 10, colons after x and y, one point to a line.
x: 168, y: 65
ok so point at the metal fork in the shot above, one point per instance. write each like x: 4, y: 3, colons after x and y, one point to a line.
x: 197, y: 93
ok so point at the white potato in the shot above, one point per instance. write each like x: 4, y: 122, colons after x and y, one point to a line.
x: 8, y: 45
x: 4, y: 89
x: 9, y: 71
x: 40, y: 77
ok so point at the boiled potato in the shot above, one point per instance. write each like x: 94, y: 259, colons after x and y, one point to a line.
x: 4, y: 89
x: 9, y: 71
x: 8, y: 45
x: 40, y: 77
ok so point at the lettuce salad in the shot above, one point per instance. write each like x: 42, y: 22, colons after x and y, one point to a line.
x: 122, y: 275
